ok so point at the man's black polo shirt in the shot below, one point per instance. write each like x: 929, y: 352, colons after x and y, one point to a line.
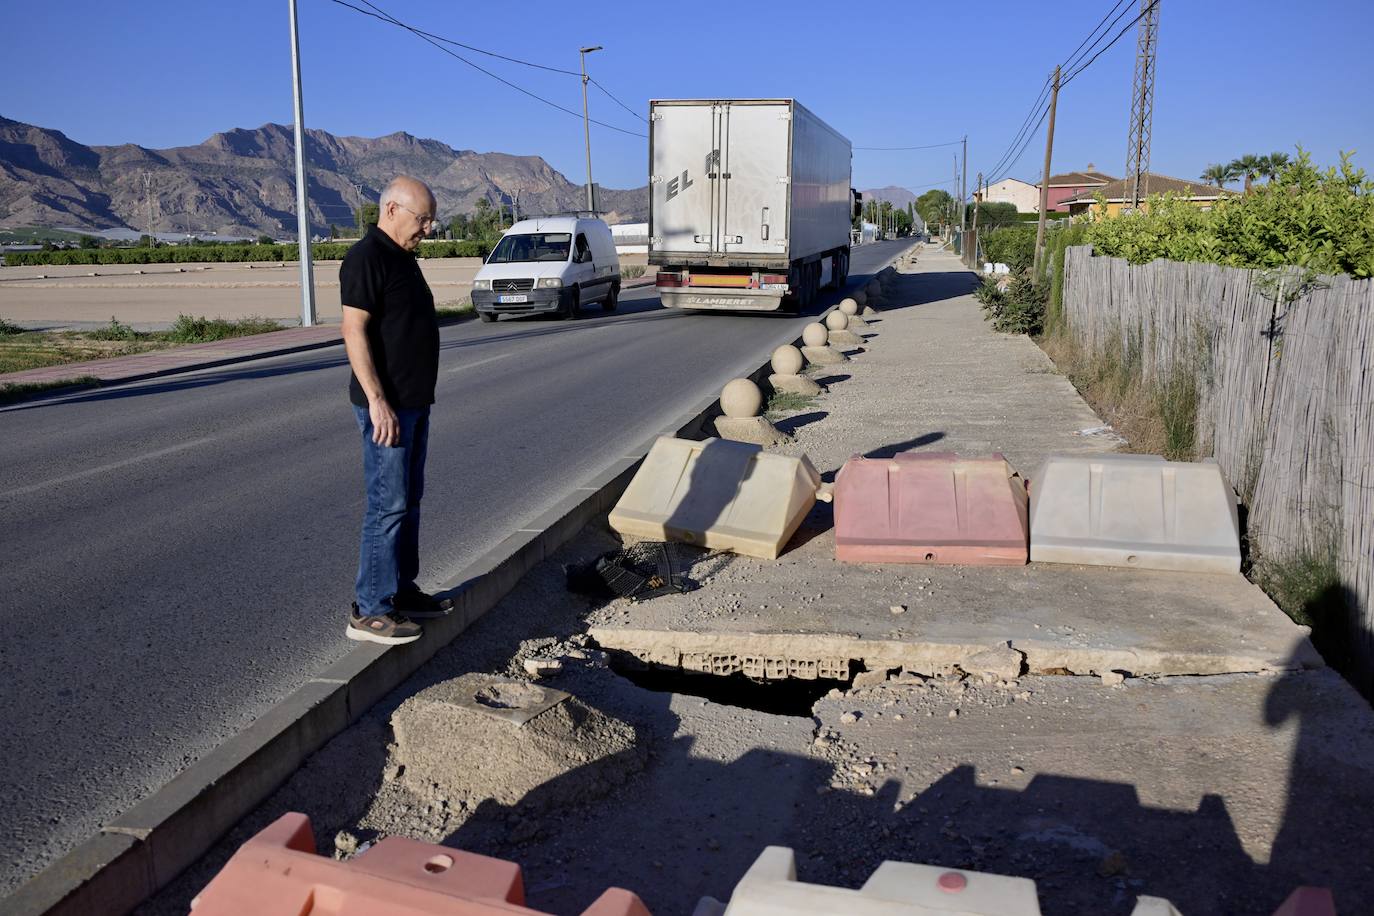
x: 383, y: 279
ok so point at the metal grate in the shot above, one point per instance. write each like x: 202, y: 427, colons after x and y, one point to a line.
x: 512, y: 286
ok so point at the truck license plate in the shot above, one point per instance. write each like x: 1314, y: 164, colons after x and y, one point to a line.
x: 512, y: 298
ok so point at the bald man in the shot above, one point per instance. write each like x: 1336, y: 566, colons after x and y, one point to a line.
x: 391, y: 335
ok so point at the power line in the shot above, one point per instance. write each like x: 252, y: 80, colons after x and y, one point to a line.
x: 1130, y: 25
x: 1021, y: 152
x: 1025, y: 123
x: 1074, y: 57
x: 387, y: 17
x: 906, y: 148
x: 384, y: 17
x: 616, y: 100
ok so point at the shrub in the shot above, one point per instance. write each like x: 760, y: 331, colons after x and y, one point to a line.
x: 8, y: 327
x: 1015, y: 305
x: 115, y: 330
x: 200, y: 330
x: 632, y: 271
x: 1011, y: 245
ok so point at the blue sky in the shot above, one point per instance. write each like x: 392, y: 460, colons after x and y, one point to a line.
x: 1232, y: 79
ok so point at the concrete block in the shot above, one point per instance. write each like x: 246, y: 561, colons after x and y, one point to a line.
x: 869, y: 311
x: 717, y: 494
x: 795, y: 384
x: 824, y: 356
x: 845, y: 338
x: 755, y: 430
x: 930, y: 508
x: 1134, y: 510
x: 771, y: 888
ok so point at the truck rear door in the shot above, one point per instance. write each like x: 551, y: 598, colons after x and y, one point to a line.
x: 684, y: 200
x: 754, y: 175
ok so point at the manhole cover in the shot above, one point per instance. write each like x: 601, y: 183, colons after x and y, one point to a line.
x: 510, y: 695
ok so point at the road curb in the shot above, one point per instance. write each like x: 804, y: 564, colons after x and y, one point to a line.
x: 141, y: 851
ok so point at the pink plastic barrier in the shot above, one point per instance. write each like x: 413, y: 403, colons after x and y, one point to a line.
x: 930, y: 508
x: 1308, y: 901
x: 277, y: 873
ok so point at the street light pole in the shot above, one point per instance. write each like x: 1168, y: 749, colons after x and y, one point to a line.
x: 302, y: 215
x: 586, y: 124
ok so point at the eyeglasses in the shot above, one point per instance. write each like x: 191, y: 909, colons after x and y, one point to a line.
x: 425, y: 221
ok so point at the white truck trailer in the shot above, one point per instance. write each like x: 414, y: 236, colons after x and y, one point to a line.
x: 750, y: 204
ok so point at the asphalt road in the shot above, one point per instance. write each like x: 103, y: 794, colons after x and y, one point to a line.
x: 179, y: 553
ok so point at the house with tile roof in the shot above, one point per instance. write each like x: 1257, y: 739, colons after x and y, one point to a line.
x: 1202, y: 196
x: 1072, y: 184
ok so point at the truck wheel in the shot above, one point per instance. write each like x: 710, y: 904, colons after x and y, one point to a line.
x: 487, y: 317
x: 574, y: 307
x: 611, y: 300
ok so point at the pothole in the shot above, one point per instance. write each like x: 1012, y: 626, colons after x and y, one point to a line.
x: 782, y: 697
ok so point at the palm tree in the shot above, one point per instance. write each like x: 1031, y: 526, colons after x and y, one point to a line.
x: 1248, y: 167
x: 1271, y: 165
x: 1218, y: 174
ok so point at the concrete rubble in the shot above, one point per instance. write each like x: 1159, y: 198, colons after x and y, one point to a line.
x: 1107, y: 733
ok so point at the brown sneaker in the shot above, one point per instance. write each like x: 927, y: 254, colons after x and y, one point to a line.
x: 417, y: 605
x: 388, y: 629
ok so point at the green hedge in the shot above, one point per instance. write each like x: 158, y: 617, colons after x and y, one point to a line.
x: 1013, y: 246
x: 1319, y: 220
x: 183, y: 254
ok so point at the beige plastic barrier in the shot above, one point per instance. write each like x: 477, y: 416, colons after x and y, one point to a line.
x: 1134, y: 510
x: 718, y: 494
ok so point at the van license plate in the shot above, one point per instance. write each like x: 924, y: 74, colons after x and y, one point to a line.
x: 512, y: 298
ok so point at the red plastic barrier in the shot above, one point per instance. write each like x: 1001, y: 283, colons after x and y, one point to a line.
x: 278, y: 872
x: 930, y: 508
x: 1308, y: 901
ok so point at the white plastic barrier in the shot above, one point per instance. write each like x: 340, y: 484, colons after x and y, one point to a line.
x: 1134, y: 510
x: 771, y: 888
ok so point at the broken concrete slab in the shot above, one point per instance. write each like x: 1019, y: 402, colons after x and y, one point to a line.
x: 1083, y: 620
x: 795, y: 384
x: 753, y: 430
x: 824, y: 356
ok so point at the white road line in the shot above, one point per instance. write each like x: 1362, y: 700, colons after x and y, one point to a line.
x: 480, y: 362
x: 91, y: 472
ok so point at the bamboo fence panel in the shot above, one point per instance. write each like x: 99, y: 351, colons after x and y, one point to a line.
x: 1285, y: 385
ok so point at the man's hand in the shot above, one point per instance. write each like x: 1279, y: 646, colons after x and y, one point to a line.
x: 386, y: 430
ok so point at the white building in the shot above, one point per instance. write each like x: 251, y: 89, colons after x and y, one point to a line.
x: 1025, y: 197
x: 631, y: 238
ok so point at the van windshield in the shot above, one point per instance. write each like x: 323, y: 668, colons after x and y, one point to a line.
x: 534, y: 246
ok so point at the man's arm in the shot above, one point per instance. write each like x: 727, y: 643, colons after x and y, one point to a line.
x: 385, y: 429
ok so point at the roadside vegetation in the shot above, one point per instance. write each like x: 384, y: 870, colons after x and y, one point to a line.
x: 785, y: 403
x: 21, y: 349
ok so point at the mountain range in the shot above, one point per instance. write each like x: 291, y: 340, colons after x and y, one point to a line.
x: 242, y: 182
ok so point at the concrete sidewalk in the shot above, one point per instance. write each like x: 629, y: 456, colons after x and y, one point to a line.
x: 1219, y: 792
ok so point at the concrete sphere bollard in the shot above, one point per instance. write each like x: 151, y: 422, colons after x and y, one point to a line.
x: 815, y: 334
x: 837, y: 321
x: 849, y: 307
x: 741, y: 398
x: 787, y: 360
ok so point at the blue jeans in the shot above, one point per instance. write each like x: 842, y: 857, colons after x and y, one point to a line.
x: 389, y: 559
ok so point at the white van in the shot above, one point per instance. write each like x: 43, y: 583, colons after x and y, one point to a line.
x: 551, y: 264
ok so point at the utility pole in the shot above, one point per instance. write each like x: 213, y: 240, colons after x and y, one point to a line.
x: 972, y: 256
x: 1045, y: 180
x: 302, y: 214
x: 963, y: 190
x: 586, y: 126
x: 1142, y: 106
x: 148, y: 202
